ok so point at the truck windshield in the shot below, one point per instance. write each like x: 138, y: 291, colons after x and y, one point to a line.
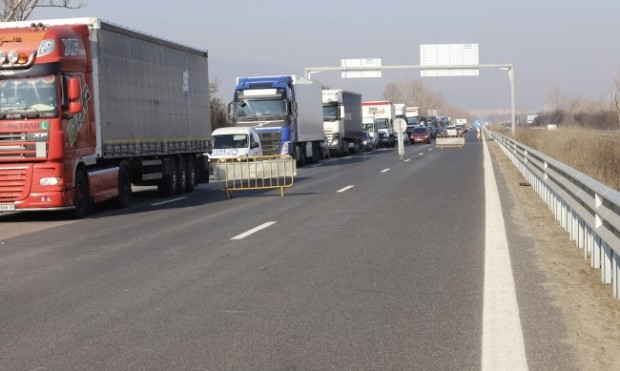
x: 261, y: 109
x: 381, y: 123
x: 369, y: 126
x: 330, y: 112
x: 28, y: 97
x: 412, y: 120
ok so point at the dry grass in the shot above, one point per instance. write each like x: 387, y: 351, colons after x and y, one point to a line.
x: 590, y: 152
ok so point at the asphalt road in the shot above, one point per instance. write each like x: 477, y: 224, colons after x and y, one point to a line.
x: 368, y: 262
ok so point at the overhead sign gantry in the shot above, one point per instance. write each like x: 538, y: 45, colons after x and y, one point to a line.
x: 435, y: 60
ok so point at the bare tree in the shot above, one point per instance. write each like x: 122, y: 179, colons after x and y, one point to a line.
x: 414, y: 94
x: 219, y: 117
x: 20, y: 10
x: 616, y: 94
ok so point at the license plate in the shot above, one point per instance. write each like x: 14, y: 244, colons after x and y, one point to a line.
x: 7, y: 207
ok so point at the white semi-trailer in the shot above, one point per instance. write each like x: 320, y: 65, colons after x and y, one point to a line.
x: 382, y: 113
x: 342, y: 121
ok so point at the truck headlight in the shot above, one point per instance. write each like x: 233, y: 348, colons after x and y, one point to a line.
x: 50, y: 181
x: 285, y: 148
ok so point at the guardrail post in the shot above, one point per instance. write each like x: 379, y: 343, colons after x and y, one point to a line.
x: 616, y: 276
x: 595, y: 259
x: 606, y: 263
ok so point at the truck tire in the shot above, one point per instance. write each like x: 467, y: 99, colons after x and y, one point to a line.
x: 124, y: 187
x: 316, y: 149
x: 168, y: 184
x: 192, y: 175
x: 301, y: 155
x: 181, y: 175
x: 81, y: 199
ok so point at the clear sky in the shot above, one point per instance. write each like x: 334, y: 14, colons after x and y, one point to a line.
x: 568, y: 46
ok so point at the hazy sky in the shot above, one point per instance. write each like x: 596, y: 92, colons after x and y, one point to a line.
x: 568, y: 46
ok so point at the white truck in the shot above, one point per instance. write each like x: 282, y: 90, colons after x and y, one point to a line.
x: 382, y: 113
x: 342, y: 121
x: 369, y: 125
x: 413, y: 117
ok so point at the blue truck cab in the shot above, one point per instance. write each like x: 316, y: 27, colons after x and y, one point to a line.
x: 286, y: 111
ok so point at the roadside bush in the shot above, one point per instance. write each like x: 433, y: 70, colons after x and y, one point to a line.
x: 594, y: 153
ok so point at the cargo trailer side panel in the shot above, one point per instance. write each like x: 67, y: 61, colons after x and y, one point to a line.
x: 353, y: 113
x: 309, y: 98
x: 152, y: 95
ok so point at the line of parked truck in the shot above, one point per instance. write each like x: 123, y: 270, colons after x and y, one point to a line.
x: 88, y: 109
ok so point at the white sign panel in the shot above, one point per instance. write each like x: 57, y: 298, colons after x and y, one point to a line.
x: 365, y: 64
x: 457, y: 55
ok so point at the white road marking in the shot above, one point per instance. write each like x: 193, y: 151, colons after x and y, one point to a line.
x: 252, y: 231
x: 407, y: 160
x: 317, y: 165
x: 385, y: 170
x: 345, y: 189
x: 421, y: 153
x: 169, y: 201
x: 347, y: 158
x: 502, y: 337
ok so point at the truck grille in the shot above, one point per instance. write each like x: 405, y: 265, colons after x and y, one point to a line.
x: 271, y: 142
x: 13, y: 183
x: 20, y: 146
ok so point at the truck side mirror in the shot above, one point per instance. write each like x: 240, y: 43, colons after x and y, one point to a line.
x: 74, y: 89
x: 74, y: 93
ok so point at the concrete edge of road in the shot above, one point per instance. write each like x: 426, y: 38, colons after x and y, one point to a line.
x: 503, y: 347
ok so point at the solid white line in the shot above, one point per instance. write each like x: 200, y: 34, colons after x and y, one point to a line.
x: 345, y: 189
x: 407, y: 160
x: 317, y: 165
x: 169, y: 201
x: 502, y: 337
x: 252, y: 231
x: 385, y: 170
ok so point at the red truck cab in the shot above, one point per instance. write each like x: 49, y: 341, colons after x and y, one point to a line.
x: 45, y: 125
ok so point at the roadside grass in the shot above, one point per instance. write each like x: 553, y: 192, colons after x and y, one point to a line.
x: 588, y: 151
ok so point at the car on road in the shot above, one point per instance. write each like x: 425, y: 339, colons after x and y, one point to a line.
x: 451, y: 131
x: 368, y: 143
x: 420, y: 135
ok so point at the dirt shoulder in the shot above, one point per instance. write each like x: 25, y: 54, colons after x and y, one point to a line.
x: 591, y: 314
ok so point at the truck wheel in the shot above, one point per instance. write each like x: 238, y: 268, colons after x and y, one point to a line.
x: 168, y: 184
x: 124, y: 187
x: 81, y: 199
x: 316, y: 148
x: 181, y: 175
x: 301, y: 154
x: 192, y: 176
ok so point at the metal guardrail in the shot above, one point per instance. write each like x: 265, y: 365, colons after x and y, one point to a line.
x: 588, y: 210
x: 255, y: 172
x: 449, y: 141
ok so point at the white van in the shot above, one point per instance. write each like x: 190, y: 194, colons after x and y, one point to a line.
x: 231, y: 142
